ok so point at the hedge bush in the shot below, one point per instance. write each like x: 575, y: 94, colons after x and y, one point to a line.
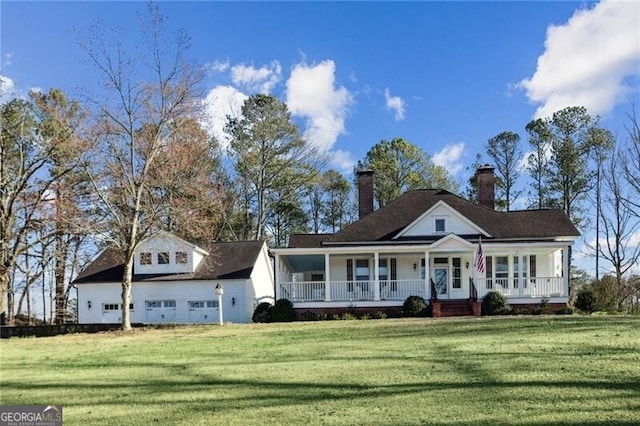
x: 585, y: 301
x: 414, y: 306
x: 494, y: 303
x: 262, y: 313
x: 283, y: 311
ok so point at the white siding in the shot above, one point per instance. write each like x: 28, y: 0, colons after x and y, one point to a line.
x: 166, y: 243
x: 453, y: 223
x: 238, y: 301
x: 261, y: 285
x: 180, y: 291
x: 338, y: 268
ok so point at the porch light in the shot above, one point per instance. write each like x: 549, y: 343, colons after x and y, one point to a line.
x: 415, y: 266
x: 467, y: 265
x: 89, y: 304
x: 219, y: 293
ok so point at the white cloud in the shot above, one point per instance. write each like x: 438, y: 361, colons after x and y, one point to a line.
x: 8, y: 89
x: 260, y: 80
x: 311, y: 94
x: 395, y: 104
x: 220, y: 102
x: 634, y: 240
x: 587, y: 60
x: 342, y: 160
x: 218, y: 66
x: 450, y: 157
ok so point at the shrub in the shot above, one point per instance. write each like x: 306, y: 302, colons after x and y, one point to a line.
x: 542, y: 307
x: 414, y: 306
x: 379, y: 315
x: 335, y: 317
x: 365, y: 316
x: 520, y: 311
x: 262, y: 313
x: 348, y: 316
x: 283, y: 311
x: 314, y: 316
x: 494, y: 303
x: 586, y: 301
x: 567, y: 310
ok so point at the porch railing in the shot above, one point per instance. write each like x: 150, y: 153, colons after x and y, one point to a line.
x: 522, y: 287
x: 315, y: 291
x: 311, y: 291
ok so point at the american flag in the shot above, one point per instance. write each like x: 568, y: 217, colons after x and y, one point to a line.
x: 480, y: 258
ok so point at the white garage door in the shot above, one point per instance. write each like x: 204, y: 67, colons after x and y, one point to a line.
x: 201, y: 311
x: 160, y: 311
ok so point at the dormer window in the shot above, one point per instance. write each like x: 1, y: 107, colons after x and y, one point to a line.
x: 181, y: 257
x: 440, y: 225
x: 163, y: 258
x: 145, y: 258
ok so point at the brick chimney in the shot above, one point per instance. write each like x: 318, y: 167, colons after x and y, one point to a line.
x: 365, y: 191
x: 486, y: 186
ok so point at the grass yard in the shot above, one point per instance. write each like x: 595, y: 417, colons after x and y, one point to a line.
x: 489, y: 371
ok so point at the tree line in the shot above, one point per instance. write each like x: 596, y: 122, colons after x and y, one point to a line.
x: 133, y: 158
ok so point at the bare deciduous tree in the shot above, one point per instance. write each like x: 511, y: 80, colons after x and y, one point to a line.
x: 150, y: 94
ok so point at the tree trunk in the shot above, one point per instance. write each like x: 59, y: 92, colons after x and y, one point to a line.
x: 61, y: 252
x: 126, y: 293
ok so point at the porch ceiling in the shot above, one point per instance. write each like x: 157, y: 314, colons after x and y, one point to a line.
x: 303, y: 263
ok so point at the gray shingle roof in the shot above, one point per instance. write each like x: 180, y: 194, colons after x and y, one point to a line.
x: 232, y: 260
x: 385, y: 223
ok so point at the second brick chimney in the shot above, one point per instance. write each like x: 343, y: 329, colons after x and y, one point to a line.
x: 365, y: 191
x: 486, y: 186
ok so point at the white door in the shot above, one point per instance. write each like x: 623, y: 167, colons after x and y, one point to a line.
x: 203, y: 311
x: 441, y: 281
x: 158, y: 311
x: 111, y: 313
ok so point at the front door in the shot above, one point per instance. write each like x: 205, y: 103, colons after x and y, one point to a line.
x: 441, y: 281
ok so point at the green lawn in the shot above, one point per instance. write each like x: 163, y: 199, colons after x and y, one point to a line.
x: 489, y: 371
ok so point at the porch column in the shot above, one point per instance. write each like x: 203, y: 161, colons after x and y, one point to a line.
x: 327, y: 278
x: 521, y: 269
x: 427, y: 286
x: 376, y: 276
x: 566, y: 258
x: 277, y: 277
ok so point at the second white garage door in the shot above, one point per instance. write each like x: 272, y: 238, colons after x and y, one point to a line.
x: 203, y: 311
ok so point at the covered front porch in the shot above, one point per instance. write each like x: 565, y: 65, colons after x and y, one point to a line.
x: 385, y: 276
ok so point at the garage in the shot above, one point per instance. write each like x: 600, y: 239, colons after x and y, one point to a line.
x: 203, y: 311
x: 158, y: 311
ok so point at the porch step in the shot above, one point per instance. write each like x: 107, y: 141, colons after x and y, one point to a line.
x: 455, y: 308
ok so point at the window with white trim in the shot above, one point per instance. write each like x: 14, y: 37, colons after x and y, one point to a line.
x: 106, y: 307
x: 145, y: 258
x: 181, y: 257
x: 440, y: 225
x: 163, y: 258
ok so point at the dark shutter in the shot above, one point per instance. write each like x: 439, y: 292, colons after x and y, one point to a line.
x: 394, y: 275
x: 350, y: 275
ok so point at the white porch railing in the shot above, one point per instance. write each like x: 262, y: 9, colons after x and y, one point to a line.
x: 315, y: 291
x: 521, y: 287
x: 311, y: 291
x: 302, y: 291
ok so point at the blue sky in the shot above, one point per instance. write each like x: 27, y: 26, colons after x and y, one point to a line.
x: 446, y: 76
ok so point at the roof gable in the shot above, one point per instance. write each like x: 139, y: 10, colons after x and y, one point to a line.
x: 453, y: 222
x: 452, y: 242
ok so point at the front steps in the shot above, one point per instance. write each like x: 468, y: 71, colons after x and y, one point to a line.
x: 454, y: 308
